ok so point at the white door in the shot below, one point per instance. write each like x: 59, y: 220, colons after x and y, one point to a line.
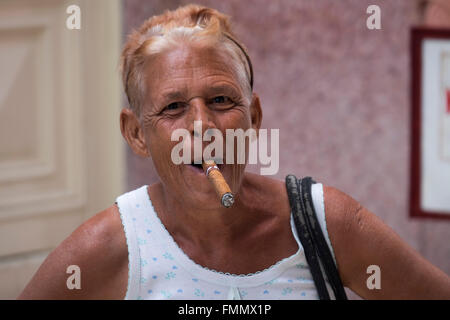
x: 61, y: 153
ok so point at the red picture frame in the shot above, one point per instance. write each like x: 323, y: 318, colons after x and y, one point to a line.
x: 418, y: 36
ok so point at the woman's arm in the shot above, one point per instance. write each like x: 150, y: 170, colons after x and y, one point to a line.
x: 98, y: 247
x: 361, y: 239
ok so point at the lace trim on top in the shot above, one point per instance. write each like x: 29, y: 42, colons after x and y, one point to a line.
x: 294, y: 258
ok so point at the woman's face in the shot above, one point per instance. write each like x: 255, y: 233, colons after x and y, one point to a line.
x: 190, y: 84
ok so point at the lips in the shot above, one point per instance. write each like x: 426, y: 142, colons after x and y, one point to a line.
x: 198, y: 166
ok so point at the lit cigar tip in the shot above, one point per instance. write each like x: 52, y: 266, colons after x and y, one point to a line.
x: 227, y: 200
x: 219, y: 183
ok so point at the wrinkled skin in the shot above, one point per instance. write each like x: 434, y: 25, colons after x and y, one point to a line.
x: 208, y: 92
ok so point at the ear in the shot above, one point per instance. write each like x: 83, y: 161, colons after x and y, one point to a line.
x: 132, y: 132
x: 256, y: 112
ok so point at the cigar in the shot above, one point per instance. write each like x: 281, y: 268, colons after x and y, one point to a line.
x: 218, y: 181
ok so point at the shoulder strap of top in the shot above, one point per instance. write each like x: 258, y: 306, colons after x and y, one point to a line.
x: 126, y: 203
x: 317, y: 252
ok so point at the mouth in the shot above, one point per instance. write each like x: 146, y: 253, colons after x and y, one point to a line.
x: 198, y: 166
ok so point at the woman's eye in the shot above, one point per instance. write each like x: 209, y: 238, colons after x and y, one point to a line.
x: 221, y: 100
x: 173, y: 109
x: 172, y: 106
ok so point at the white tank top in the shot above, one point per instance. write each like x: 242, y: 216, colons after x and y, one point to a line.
x: 159, y: 269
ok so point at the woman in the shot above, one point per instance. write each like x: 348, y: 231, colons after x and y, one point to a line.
x: 174, y: 239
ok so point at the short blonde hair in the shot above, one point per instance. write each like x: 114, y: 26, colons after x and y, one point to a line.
x: 192, y: 23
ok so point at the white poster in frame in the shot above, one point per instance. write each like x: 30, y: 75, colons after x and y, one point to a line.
x: 430, y: 156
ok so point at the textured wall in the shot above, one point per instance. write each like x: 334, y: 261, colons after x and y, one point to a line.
x: 339, y: 94
x: 437, y: 13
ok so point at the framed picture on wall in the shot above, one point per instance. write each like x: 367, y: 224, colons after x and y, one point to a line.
x: 430, y: 123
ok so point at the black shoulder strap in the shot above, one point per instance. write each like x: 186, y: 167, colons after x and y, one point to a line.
x: 323, y: 249
x: 305, y: 236
x: 317, y: 245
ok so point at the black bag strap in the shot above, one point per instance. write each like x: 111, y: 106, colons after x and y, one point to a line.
x: 311, y: 236
x: 322, y: 247
x: 305, y: 236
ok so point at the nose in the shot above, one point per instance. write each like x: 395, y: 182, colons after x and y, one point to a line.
x: 199, y: 111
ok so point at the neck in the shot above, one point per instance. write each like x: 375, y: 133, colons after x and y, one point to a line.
x: 208, y: 228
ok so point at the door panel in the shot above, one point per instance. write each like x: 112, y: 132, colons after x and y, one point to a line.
x: 61, y: 153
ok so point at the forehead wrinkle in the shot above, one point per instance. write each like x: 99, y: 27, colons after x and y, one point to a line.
x: 177, y: 73
x: 196, y: 72
x: 190, y: 59
x: 203, y: 73
x: 179, y: 87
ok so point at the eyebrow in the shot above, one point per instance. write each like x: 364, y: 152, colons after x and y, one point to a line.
x: 173, y: 95
x: 224, y: 88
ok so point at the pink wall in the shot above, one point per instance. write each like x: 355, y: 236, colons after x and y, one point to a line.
x: 338, y: 92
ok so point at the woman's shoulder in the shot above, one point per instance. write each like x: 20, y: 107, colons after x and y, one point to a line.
x: 98, y: 248
x: 340, y: 208
x: 335, y: 200
x: 271, y: 192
